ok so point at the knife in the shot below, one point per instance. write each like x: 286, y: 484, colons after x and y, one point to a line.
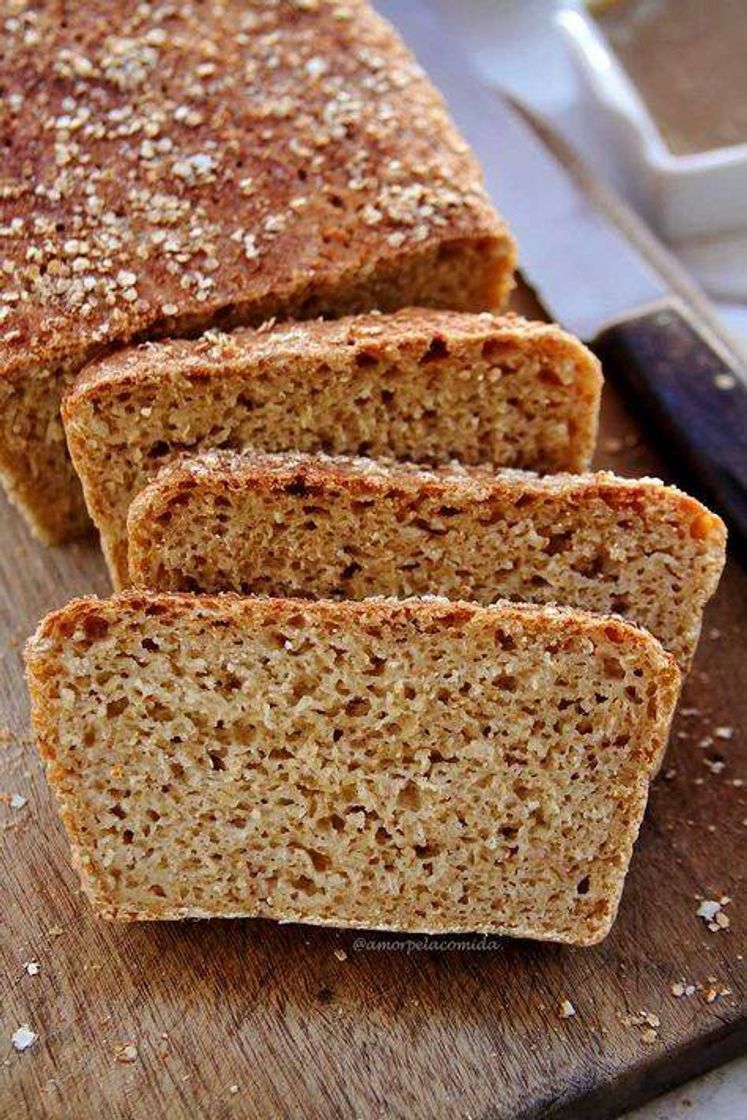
x: 602, y: 275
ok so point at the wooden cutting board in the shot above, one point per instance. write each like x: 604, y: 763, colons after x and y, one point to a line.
x: 247, y: 1019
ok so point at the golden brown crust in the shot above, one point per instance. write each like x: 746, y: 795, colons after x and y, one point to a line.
x: 90, y: 614
x: 70, y: 642
x: 174, y: 164
x: 406, y: 331
x: 222, y: 471
x: 242, y: 92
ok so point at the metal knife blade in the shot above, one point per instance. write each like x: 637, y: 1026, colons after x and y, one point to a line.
x: 585, y: 273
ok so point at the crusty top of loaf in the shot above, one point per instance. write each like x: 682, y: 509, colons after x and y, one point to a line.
x: 377, y: 336
x: 88, y: 618
x: 361, y: 477
x: 166, y: 160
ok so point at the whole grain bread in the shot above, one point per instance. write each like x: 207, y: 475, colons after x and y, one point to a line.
x: 312, y: 526
x: 421, y: 384
x: 172, y: 167
x: 416, y: 765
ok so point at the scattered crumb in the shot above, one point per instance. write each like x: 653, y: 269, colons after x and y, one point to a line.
x: 724, y: 732
x: 714, y: 993
x: 566, y: 1010
x: 712, y: 913
x: 233, y: 1089
x: 126, y: 1053
x: 681, y: 988
x: 55, y: 931
x: 17, y: 800
x: 23, y: 1038
x: 32, y: 968
x: 715, y: 765
x: 341, y: 954
x: 669, y: 774
x: 725, y: 381
x: 648, y: 1020
x: 714, y: 634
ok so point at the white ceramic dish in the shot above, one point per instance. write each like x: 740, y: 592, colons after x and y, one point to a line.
x: 704, y: 194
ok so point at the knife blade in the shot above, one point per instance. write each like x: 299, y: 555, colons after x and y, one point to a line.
x: 651, y: 328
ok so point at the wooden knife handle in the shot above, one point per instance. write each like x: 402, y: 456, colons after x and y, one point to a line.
x: 695, y: 395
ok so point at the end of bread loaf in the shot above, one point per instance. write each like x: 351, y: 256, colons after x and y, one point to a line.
x: 345, y: 188
x: 429, y: 386
x: 418, y: 765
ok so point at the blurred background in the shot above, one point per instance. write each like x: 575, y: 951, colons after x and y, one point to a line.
x: 562, y: 58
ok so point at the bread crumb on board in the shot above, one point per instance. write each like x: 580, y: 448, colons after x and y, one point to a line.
x: 712, y: 912
x: 23, y: 1038
x: 680, y: 989
x: 649, y: 1021
x: 126, y: 1052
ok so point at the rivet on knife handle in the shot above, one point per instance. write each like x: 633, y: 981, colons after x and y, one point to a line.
x: 692, y: 394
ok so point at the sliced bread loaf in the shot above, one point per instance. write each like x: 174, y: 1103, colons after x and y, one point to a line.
x: 410, y: 765
x: 172, y: 167
x: 424, y: 385
x: 296, y: 525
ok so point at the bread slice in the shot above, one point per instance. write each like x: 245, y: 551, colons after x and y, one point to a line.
x: 174, y: 167
x: 300, y: 525
x: 425, y: 385
x: 417, y: 765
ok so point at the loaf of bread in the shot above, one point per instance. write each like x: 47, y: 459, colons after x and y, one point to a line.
x: 410, y: 765
x: 425, y: 385
x: 173, y: 167
x: 312, y: 526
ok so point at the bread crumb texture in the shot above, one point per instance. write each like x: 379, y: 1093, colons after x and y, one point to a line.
x: 418, y: 765
x: 312, y: 526
x: 425, y: 385
x: 171, y: 167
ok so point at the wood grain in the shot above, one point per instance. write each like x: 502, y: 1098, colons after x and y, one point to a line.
x: 248, y: 1019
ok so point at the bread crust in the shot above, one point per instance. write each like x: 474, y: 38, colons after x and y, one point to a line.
x: 178, y: 166
x: 85, y: 624
x: 408, y: 330
x: 376, y: 478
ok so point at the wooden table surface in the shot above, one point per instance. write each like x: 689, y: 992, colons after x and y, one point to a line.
x: 241, y: 1019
